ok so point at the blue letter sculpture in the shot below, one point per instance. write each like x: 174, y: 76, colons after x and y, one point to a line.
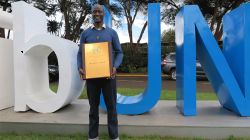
x: 143, y: 102
x: 228, y: 72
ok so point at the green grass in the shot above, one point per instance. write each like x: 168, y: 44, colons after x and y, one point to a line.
x: 165, y: 94
x: 102, y: 137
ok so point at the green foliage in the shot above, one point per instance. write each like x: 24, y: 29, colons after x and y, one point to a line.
x: 169, y: 10
x: 43, y: 137
x: 165, y: 94
x: 128, y: 69
x: 53, y: 26
x: 214, y: 10
x: 52, y: 59
x: 135, y: 58
x: 168, y: 42
x: 168, y: 37
x: 13, y: 136
x: 84, y: 137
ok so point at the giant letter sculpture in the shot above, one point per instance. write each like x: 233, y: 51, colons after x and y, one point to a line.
x: 145, y: 101
x: 32, y: 45
x: 229, y: 78
x: 6, y: 64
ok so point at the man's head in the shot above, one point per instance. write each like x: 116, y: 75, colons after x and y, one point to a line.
x: 97, y: 13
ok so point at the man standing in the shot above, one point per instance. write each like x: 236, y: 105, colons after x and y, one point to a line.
x: 99, y: 33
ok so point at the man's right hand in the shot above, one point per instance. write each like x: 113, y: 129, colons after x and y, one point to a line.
x: 81, y: 73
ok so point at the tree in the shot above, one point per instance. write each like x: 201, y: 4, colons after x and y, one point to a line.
x: 168, y: 41
x: 214, y: 10
x: 4, y: 4
x: 104, y: 2
x: 168, y: 37
x: 131, y: 10
x: 75, y: 14
x: 170, y: 9
x: 53, y: 27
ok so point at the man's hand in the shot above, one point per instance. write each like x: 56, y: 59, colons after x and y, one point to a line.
x: 113, y: 74
x: 81, y: 73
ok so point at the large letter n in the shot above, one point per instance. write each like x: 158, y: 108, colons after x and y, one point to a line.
x: 228, y: 72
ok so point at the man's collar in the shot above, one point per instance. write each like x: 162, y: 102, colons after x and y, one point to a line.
x: 93, y: 26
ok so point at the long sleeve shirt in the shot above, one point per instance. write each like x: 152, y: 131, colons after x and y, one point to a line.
x: 91, y: 35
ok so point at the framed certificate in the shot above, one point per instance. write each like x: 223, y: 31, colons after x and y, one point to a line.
x: 97, y: 60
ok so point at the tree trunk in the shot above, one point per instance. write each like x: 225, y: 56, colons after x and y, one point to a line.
x: 213, y: 20
x: 140, y: 37
x: 2, y: 33
x: 8, y: 35
x: 76, y: 30
x: 218, y: 31
x: 66, y: 20
x: 104, y: 2
x: 142, y: 32
x: 130, y: 33
x: 5, y: 6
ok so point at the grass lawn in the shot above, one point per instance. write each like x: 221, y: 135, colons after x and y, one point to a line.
x: 165, y: 94
x: 84, y: 137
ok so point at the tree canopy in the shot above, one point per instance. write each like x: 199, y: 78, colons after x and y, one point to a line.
x: 74, y: 14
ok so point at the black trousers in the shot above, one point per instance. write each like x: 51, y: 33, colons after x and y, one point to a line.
x: 108, y: 88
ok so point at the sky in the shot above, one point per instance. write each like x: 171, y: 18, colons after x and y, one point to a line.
x: 137, y: 26
x: 123, y: 31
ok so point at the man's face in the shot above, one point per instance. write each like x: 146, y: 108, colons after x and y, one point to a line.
x: 97, y: 14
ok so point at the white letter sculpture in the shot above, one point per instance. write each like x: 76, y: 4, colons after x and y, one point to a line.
x: 6, y: 65
x: 31, y: 47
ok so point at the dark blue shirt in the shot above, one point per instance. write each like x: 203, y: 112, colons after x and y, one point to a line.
x: 91, y: 35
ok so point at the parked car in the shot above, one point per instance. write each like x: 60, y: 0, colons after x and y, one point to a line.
x: 53, y: 73
x: 168, y: 66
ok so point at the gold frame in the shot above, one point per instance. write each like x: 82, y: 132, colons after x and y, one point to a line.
x: 97, y: 60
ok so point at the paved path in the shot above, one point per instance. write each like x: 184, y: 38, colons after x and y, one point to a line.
x: 212, y: 121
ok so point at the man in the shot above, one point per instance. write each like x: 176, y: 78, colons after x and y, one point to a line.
x: 99, y: 33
